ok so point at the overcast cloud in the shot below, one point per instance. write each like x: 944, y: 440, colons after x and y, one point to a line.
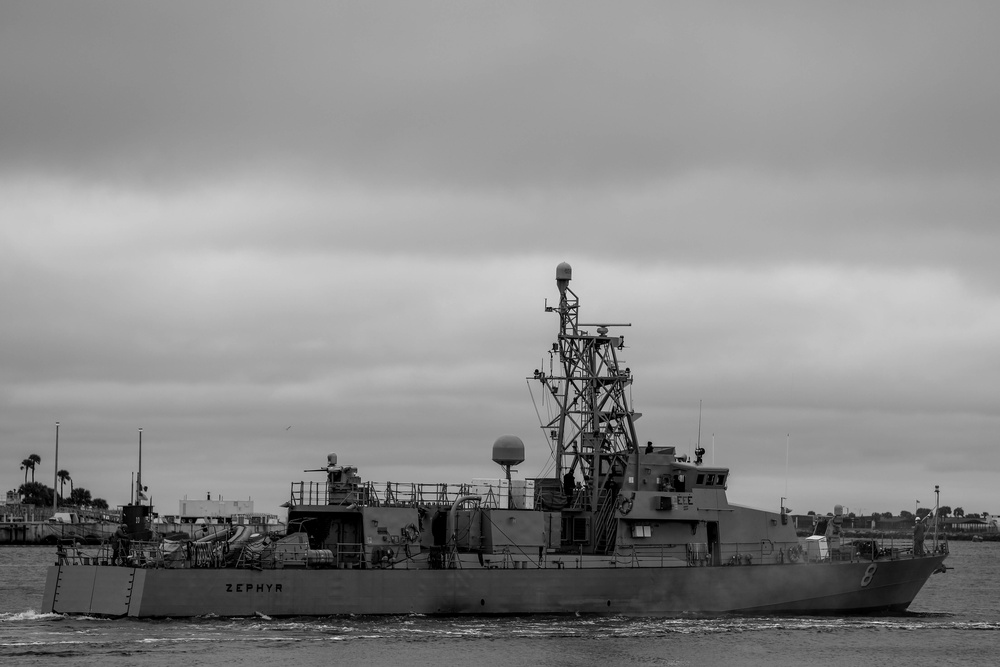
x: 268, y: 231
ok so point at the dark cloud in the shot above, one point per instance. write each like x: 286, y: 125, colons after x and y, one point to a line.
x: 522, y: 95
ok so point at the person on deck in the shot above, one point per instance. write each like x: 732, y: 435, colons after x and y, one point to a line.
x: 120, y: 545
x: 918, y: 538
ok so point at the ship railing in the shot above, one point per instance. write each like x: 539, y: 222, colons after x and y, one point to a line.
x: 761, y: 552
x: 70, y: 553
x: 579, y: 499
x: 134, y: 554
x: 187, y: 554
x: 182, y: 554
x: 893, y: 547
x: 886, y: 546
x: 896, y: 548
x: 147, y: 554
x: 412, y: 494
x: 696, y: 554
x: 387, y: 494
x: 308, y: 493
x: 649, y: 555
x: 349, y: 554
x: 318, y: 493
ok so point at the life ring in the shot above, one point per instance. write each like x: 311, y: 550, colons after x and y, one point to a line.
x: 794, y: 553
x: 625, y: 506
x: 411, y: 533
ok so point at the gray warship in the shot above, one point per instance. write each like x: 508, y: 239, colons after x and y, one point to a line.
x: 618, y: 528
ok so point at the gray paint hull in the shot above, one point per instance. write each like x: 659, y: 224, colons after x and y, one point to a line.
x: 804, y: 588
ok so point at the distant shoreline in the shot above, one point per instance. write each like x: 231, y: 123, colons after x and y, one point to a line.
x: 951, y: 536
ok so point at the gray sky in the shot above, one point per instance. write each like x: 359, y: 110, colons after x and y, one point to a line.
x: 268, y: 231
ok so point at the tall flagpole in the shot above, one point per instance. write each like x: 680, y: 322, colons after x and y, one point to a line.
x: 138, y: 477
x: 55, y: 476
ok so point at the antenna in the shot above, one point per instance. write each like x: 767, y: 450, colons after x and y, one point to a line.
x: 787, y: 439
x: 699, y: 422
x: 699, y: 452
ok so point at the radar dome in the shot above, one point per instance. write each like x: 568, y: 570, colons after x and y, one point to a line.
x: 508, y: 450
x: 564, y: 271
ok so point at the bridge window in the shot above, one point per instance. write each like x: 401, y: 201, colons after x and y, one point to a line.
x: 642, y: 530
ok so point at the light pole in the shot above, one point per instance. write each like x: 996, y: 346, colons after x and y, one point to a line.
x: 916, y: 505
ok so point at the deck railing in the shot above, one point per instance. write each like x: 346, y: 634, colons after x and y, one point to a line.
x: 392, y: 494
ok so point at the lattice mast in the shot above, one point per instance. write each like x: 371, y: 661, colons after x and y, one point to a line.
x: 594, y: 431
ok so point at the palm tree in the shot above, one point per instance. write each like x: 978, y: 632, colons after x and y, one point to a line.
x: 26, y: 465
x: 35, y: 460
x: 36, y: 493
x: 63, y: 476
x: 80, y: 497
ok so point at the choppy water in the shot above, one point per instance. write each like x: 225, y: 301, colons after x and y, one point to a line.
x: 951, y: 622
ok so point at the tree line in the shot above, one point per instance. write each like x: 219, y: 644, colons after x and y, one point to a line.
x: 36, y: 493
x: 943, y: 511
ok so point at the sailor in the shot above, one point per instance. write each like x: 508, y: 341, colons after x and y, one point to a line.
x: 568, y: 486
x: 612, y: 487
x: 120, y: 545
x: 918, y: 538
x: 649, y: 447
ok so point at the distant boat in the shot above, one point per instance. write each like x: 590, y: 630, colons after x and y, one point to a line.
x: 618, y: 528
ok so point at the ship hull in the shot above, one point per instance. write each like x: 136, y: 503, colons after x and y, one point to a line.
x: 800, y: 588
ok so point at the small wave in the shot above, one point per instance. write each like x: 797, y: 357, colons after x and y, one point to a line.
x: 29, y: 615
x: 44, y: 653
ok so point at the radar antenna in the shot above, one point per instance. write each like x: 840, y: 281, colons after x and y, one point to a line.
x: 594, y: 431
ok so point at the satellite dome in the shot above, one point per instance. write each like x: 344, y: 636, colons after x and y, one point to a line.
x: 508, y: 450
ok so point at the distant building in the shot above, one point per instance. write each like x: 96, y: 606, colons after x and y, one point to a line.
x: 218, y: 511
x: 213, y: 509
x: 969, y: 524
